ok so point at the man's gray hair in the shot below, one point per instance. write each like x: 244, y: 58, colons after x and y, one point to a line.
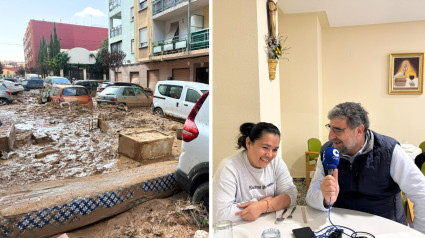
x: 354, y: 112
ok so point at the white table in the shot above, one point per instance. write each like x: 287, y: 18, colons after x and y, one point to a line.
x: 358, y: 221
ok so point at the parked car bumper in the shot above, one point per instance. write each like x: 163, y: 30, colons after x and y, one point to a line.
x: 105, y: 102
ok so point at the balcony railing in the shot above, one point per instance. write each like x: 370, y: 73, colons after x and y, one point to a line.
x: 114, y: 4
x: 162, y: 5
x: 116, y: 31
x: 198, y: 40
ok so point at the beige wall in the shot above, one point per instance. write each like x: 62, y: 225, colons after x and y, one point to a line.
x: 332, y: 65
x: 241, y: 89
x: 356, y: 68
x: 142, y: 19
x: 301, y: 84
x: 207, y: 17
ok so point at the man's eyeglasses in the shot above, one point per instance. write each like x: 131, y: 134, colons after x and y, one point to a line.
x: 336, y: 130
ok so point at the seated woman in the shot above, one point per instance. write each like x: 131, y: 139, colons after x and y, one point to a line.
x: 254, y: 181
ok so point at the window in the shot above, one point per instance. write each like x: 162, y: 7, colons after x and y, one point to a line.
x: 192, y: 96
x: 54, y: 92
x: 116, y: 46
x: 132, y: 46
x: 176, y: 91
x: 129, y: 92
x: 132, y: 13
x: 143, y: 4
x: 139, y: 92
x: 143, y: 37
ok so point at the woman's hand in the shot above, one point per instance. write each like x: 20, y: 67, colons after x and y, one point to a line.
x: 252, y: 210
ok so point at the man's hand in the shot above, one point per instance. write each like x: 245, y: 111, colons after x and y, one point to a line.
x: 252, y: 210
x: 330, y: 187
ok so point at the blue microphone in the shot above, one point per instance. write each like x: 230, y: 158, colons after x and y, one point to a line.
x: 331, y: 159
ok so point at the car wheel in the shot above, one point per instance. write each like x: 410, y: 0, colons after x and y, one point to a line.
x: 202, y: 195
x: 158, y: 111
x: 3, y: 101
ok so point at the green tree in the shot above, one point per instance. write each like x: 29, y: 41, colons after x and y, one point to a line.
x: 97, y: 67
x: 54, y: 44
x: 1, y: 68
x: 60, y: 61
x: 113, y: 61
x: 57, y: 44
x: 42, y: 52
x: 51, y: 47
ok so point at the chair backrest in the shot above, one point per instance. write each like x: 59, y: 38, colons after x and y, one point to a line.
x: 314, y: 145
x: 420, y: 162
x: 422, y: 146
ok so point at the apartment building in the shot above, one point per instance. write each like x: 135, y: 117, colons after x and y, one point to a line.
x: 169, y: 41
x: 70, y: 36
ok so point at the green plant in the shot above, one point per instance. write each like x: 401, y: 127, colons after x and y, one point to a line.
x: 275, y: 46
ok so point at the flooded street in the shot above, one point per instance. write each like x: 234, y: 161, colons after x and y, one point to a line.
x: 54, y: 143
x: 79, y: 152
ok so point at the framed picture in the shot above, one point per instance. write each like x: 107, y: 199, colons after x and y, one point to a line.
x: 406, y: 73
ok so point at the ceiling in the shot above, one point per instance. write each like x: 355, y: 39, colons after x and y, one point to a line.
x: 359, y: 12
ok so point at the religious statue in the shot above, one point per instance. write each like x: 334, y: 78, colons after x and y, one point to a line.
x: 271, y: 13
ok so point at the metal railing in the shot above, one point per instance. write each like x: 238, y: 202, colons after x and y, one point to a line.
x: 162, y: 5
x: 116, y: 31
x: 114, y: 4
x: 198, y: 40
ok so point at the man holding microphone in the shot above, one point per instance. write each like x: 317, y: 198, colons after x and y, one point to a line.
x: 371, y: 171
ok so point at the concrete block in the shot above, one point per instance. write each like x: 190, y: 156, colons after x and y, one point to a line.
x: 144, y: 144
x: 41, y: 138
x: 101, y: 123
x: 7, y: 138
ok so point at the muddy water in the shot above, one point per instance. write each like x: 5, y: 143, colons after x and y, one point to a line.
x: 73, y: 149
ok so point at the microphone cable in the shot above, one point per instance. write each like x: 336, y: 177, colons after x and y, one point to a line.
x: 336, y: 231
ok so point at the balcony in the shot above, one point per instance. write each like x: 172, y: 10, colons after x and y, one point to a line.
x: 159, y: 6
x: 114, y: 4
x: 198, y: 40
x: 116, y: 31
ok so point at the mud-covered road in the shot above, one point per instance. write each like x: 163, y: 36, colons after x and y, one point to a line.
x: 69, y: 148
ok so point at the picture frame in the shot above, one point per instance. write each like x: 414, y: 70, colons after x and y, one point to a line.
x: 406, y: 73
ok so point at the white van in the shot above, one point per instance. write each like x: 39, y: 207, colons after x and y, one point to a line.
x: 176, y: 98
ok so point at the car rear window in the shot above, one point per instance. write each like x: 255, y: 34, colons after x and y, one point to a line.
x: 3, y: 88
x: 110, y: 91
x: 74, y: 92
x: 61, y: 81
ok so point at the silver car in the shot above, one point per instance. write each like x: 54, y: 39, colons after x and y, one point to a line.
x: 13, y: 87
x: 5, y: 95
x: 130, y: 96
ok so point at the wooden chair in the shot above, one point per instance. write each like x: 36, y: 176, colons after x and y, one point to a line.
x: 408, y: 208
x: 311, y: 157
